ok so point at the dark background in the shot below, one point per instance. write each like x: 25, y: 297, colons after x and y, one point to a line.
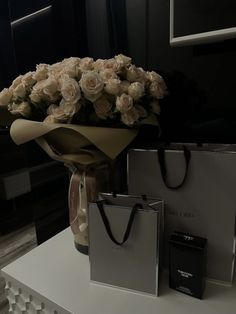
x: 196, y: 16
x: 201, y: 79
x: 200, y: 107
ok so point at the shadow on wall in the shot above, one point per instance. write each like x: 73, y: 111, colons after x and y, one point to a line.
x: 185, y: 117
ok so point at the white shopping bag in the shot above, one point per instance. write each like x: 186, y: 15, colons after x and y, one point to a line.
x: 125, y: 242
x: 198, y: 188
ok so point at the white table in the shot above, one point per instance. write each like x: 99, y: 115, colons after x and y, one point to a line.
x: 54, y: 278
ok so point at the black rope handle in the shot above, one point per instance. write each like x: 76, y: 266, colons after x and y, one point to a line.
x: 162, y: 162
x: 107, y: 224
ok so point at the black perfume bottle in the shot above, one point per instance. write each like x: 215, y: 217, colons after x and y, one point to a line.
x: 187, y: 264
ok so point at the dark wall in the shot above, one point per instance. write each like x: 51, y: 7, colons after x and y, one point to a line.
x: 117, y: 27
x: 7, y: 58
x: 201, y: 105
x: 201, y: 78
x: 69, y: 28
x: 42, y: 31
x: 32, y: 33
x: 213, y: 15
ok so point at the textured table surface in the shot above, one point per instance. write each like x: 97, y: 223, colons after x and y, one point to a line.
x: 59, y: 273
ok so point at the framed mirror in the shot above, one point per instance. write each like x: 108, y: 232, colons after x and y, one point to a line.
x: 199, y: 21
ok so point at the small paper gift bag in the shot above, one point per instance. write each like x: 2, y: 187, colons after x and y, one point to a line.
x: 125, y: 242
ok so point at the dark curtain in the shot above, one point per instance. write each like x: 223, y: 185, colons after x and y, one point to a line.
x: 7, y: 57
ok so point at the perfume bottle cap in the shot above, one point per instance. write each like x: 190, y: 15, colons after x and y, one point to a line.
x: 188, y: 240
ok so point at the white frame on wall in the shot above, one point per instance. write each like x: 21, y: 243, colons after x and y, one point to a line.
x: 200, y: 38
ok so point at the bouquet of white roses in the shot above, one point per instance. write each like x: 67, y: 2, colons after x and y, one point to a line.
x: 83, y: 91
x: 83, y: 113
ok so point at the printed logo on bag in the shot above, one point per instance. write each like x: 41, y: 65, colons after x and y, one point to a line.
x: 184, y: 214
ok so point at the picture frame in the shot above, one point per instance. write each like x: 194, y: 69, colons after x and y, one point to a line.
x: 199, y: 38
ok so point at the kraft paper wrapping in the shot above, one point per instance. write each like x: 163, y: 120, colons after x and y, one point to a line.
x: 74, y: 144
x: 78, y: 146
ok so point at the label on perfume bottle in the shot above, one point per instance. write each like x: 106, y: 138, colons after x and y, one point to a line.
x: 184, y: 289
x: 185, y: 274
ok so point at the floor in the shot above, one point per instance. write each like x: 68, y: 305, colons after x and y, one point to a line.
x: 12, y: 246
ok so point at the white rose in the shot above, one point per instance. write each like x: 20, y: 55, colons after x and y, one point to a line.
x: 28, y: 79
x: 50, y: 119
x: 142, y: 112
x: 98, y: 65
x: 20, y: 91
x: 70, y: 90
x: 62, y: 78
x: 102, y: 107
x: 39, y: 86
x: 124, y: 103
x: 55, y: 67
x: 49, y: 89
x: 41, y: 72
x: 71, y: 60
x: 16, y: 82
x: 91, y: 85
x: 108, y: 74
x: 155, y: 106
x: 71, y: 66
x: 5, y: 97
x: 136, y: 90
x: 51, y: 109
x: 112, y: 64
x: 157, y: 87
x: 157, y: 90
x: 113, y: 87
x: 143, y: 76
x: 130, y: 117
x: 56, y: 70
x: 124, y: 86
x: 60, y: 115
x: 123, y: 60
x: 50, y: 86
x: 22, y: 109
x: 135, y: 74
x: 86, y: 64
x: 45, y: 90
x: 35, y: 97
x: 153, y: 76
x: 70, y: 108
x: 73, y: 71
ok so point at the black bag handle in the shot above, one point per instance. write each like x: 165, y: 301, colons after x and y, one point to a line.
x: 162, y: 162
x: 107, y: 224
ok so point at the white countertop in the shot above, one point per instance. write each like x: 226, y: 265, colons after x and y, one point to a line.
x: 58, y: 272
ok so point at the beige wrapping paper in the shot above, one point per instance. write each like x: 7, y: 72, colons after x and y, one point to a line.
x: 72, y: 143
x: 79, y: 147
